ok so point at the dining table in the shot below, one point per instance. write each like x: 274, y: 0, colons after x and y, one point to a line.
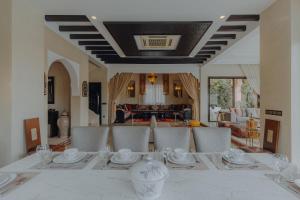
x: 89, y: 182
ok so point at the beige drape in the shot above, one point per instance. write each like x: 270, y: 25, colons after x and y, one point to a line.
x: 115, y: 86
x: 191, y: 85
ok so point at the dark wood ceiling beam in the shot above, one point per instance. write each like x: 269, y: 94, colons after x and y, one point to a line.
x: 66, y: 18
x: 206, y: 52
x: 86, y: 36
x: 154, y: 61
x: 202, y: 56
x: 237, y: 28
x: 224, y: 36
x: 234, y: 18
x: 104, y: 52
x: 98, y: 48
x: 217, y: 48
x: 77, y: 28
x: 93, y: 43
x: 217, y: 43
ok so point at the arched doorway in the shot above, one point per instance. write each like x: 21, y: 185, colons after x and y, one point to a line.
x: 59, y: 101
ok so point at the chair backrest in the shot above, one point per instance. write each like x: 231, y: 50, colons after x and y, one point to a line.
x: 32, y: 134
x: 89, y: 139
x: 209, y: 139
x: 172, y: 137
x: 135, y: 138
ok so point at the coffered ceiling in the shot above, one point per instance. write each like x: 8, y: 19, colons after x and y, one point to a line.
x: 113, y: 36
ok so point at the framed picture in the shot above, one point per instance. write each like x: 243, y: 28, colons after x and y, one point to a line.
x: 84, y: 89
x: 51, y: 90
x: 271, y: 135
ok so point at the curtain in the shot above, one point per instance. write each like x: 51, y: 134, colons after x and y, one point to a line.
x: 154, y: 93
x: 115, y: 87
x: 252, y: 72
x: 191, y: 86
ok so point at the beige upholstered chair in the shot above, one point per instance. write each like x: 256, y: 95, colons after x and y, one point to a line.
x: 212, y: 139
x: 90, y: 139
x: 135, y: 138
x: 172, y: 137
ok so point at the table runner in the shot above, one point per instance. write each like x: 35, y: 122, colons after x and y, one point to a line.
x: 284, y: 183
x: 21, y: 179
x: 219, y: 163
x: 78, y: 165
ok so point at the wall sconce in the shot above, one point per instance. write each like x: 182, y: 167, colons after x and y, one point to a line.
x: 131, y: 89
x: 177, y: 88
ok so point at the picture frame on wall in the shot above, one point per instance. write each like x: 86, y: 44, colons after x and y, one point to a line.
x: 51, y: 90
x: 84, y: 89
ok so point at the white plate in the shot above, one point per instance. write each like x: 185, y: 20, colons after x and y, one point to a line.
x: 187, y: 161
x: 243, y: 160
x: 117, y: 160
x: 7, y: 178
x: 60, y: 159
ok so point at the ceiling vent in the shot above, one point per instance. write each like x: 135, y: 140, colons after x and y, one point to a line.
x: 157, y: 42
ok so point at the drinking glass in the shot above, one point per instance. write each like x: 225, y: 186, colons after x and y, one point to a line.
x: 165, y: 152
x: 45, y: 153
x: 281, y: 162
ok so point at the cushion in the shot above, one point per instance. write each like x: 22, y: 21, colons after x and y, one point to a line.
x: 238, y: 112
x: 252, y: 112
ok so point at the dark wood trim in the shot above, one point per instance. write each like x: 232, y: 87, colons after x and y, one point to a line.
x: 202, y: 56
x: 233, y: 18
x: 217, y: 43
x: 206, y: 52
x: 217, y: 48
x: 104, y: 52
x: 234, y: 28
x: 66, y: 18
x: 224, y: 36
x: 153, y: 61
x: 99, y: 48
x: 93, y: 43
x: 77, y: 29
x: 86, y: 36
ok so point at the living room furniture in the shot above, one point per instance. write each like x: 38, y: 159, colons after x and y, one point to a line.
x: 271, y: 135
x: 212, y: 139
x: 135, y: 138
x: 170, y: 137
x: 89, y: 139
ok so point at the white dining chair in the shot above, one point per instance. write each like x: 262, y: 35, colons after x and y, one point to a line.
x: 89, y: 139
x: 135, y: 138
x: 171, y: 137
x: 212, y: 139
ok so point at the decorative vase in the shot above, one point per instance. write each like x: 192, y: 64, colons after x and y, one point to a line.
x: 63, y: 124
x: 148, y: 177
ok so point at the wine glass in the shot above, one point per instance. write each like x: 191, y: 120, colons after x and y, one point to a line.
x: 45, y: 153
x: 165, y: 152
x: 281, y: 162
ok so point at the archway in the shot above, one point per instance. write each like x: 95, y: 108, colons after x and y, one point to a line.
x: 59, y: 102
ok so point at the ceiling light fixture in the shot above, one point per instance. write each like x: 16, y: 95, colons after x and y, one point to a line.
x: 222, y: 17
x: 94, y: 17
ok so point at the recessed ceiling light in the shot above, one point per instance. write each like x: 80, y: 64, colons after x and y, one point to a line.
x: 94, y: 17
x: 222, y: 17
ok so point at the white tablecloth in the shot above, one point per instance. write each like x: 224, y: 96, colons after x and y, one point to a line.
x: 88, y: 184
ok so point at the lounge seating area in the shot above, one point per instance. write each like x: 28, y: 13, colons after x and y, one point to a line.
x: 134, y: 111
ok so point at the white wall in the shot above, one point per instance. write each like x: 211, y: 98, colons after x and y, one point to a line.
x: 28, y: 61
x: 295, y: 99
x: 5, y: 81
x: 213, y: 70
x: 153, y: 68
x: 276, y: 67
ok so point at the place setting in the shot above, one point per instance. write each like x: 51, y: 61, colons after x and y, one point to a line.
x: 286, y: 174
x: 235, y: 159
x: 70, y: 159
x: 182, y: 159
x: 123, y: 159
x: 10, y: 181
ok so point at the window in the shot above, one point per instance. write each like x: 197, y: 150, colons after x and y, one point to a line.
x: 228, y: 92
x: 154, y: 92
